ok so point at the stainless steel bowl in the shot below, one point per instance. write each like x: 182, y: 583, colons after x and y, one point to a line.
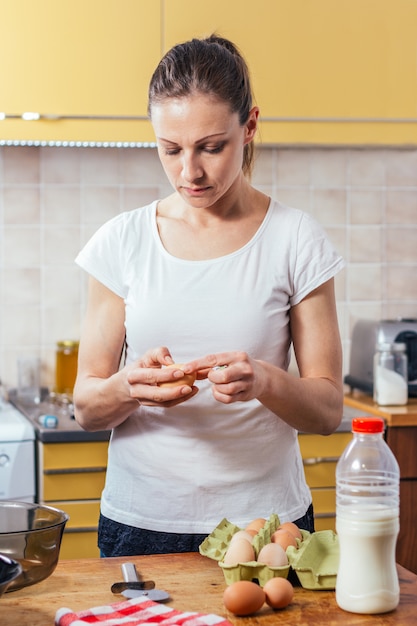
x: 9, y: 570
x: 31, y: 534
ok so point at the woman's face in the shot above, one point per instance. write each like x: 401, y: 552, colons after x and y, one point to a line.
x: 200, y: 145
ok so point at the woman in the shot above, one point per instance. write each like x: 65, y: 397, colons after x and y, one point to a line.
x: 222, y: 279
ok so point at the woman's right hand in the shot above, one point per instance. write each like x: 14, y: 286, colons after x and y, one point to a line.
x: 145, y: 375
x: 105, y: 394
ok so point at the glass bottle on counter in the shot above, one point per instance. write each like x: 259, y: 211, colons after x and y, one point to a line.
x: 66, y: 366
x: 390, y: 374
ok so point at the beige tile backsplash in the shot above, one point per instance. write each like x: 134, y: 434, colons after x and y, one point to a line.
x: 52, y: 199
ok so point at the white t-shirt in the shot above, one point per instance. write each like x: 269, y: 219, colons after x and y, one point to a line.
x: 184, y: 468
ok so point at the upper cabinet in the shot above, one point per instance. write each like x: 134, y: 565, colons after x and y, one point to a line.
x: 80, y: 68
x: 323, y: 72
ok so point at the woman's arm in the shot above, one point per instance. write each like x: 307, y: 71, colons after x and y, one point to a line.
x: 105, y: 394
x: 312, y: 402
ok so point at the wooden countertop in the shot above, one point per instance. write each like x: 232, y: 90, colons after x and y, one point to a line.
x: 394, y: 415
x: 194, y: 582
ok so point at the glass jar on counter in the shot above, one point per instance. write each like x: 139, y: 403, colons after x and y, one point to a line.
x: 390, y: 374
x: 66, y: 366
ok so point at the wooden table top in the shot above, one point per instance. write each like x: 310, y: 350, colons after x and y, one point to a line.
x: 194, y: 582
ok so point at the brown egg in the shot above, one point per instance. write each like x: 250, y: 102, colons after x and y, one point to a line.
x: 243, y: 597
x: 284, y: 538
x: 187, y: 379
x: 273, y: 554
x: 292, y: 528
x: 242, y: 534
x: 256, y: 524
x: 251, y: 531
x: 279, y: 592
x: 240, y: 551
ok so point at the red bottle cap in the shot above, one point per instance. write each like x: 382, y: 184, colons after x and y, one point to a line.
x: 368, y: 425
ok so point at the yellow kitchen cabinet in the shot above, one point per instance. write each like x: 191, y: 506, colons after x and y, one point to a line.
x: 71, y: 477
x: 80, y: 536
x: 84, y: 67
x: 320, y: 455
x: 323, y: 72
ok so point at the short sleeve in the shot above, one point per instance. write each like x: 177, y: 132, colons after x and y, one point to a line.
x: 316, y: 259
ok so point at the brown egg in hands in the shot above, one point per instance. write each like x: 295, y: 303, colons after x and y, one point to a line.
x: 187, y: 379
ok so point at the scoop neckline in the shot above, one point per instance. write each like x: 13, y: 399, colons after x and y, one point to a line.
x: 218, y: 259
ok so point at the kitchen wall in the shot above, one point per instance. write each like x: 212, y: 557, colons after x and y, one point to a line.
x: 52, y: 199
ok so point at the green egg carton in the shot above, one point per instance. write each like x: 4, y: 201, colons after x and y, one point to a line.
x: 316, y: 560
x: 216, y: 544
x: 252, y: 571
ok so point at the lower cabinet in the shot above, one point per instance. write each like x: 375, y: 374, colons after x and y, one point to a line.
x: 71, y: 478
x: 403, y: 442
x: 320, y: 455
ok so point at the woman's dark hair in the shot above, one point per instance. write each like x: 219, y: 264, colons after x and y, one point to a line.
x: 211, y: 66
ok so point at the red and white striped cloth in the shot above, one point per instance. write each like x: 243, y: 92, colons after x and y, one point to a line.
x: 136, y: 612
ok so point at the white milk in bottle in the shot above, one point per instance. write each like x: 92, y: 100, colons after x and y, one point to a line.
x: 367, y: 521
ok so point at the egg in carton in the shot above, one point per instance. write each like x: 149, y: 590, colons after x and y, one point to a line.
x: 217, y: 543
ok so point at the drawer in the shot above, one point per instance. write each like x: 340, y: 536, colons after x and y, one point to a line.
x: 83, y: 514
x: 74, y: 455
x: 325, y: 523
x: 320, y: 455
x: 73, y: 486
x: 79, y: 545
x: 80, y: 535
x: 315, y: 448
x: 321, y: 475
x: 324, y: 501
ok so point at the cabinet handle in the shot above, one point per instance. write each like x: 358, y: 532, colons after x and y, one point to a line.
x: 75, y: 470
x: 323, y: 515
x: 315, y: 460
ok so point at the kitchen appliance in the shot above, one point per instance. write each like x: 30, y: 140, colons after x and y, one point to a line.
x: 17, y: 455
x: 366, y: 335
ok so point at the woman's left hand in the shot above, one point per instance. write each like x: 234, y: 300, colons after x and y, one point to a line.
x: 235, y: 376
